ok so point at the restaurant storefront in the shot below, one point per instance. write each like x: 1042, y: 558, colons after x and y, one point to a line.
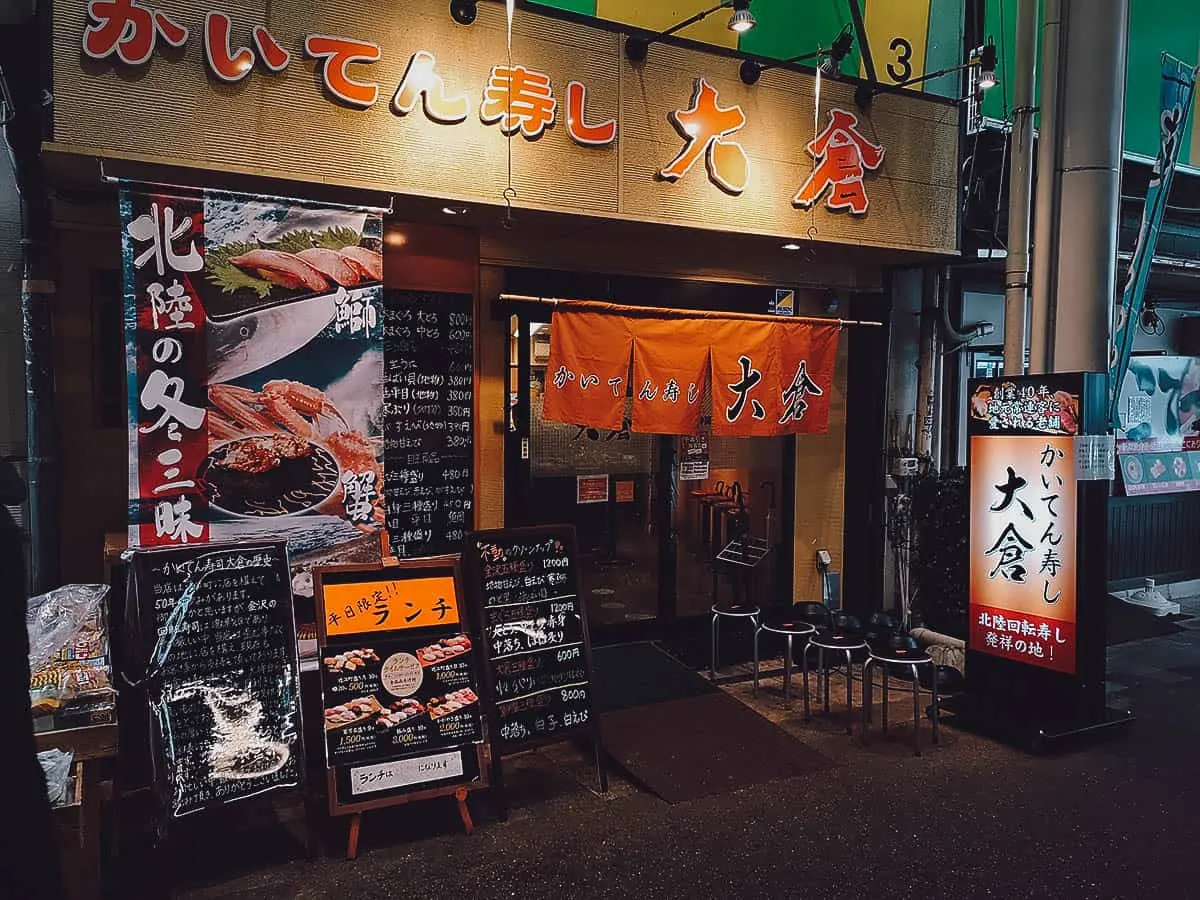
x: 666, y: 184
x: 342, y: 292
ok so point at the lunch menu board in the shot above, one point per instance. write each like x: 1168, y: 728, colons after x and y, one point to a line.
x: 218, y: 641
x: 398, y: 675
x: 429, y: 401
x: 535, y: 632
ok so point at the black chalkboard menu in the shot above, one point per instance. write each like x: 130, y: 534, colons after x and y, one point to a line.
x: 399, y: 681
x: 217, y: 642
x: 538, y: 657
x: 429, y: 402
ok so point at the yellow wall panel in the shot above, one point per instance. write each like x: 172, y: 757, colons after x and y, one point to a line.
x: 898, y: 33
x: 660, y: 15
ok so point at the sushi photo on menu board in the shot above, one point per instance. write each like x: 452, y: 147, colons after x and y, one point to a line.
x: 397, y: 696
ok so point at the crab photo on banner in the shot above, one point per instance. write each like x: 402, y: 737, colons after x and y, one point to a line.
x: 254, y: 340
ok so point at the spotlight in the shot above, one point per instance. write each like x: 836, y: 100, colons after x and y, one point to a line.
x: 742, y: 19
x: 464, y: 11
x: 832, y: 64
x: 791, y: 246
x: 987, y: 66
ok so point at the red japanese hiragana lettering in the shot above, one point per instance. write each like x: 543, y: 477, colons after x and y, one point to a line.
x: 273, y: 56
x: 706, y: 127
x: 128, y: 29
x: 841, y: 154
x: 336, y: 55
x: 231, y: 65
x: 227, y: 64
x: 599, y: 135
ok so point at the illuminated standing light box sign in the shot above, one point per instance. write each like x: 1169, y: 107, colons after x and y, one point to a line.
x: 1023, y: 544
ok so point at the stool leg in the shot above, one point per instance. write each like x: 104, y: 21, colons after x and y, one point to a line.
x: 787, y: 671
x: 825, y: 673
x: 935, y: 706
x: 916, y: 712
x: 868, y: 669
x: 712, y: 668
x: 886, y: 677
x: 804, y: 666
x: 849, y: 694
x: 755, y: 691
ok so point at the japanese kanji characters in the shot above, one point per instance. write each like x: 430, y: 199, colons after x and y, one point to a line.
x: 842, y: 155
x: 129, y: 30
x: 337, y: 54
x: 165, y: 236
x: 794, y: 404
x: 421, y: 82
x: 519, y: 99
x: 707, y: 128
x: 741, y: 390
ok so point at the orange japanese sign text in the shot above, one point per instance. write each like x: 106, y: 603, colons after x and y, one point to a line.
x: 399, y: 604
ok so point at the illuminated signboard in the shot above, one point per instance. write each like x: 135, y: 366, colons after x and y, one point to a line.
x: 1023, y: 546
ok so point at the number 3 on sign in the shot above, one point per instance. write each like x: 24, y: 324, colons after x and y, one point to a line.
x: 899, y: 29
x: 900, y: 68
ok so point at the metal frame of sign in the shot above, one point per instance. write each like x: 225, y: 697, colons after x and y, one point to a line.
x: 474, y: 577
x: 476, y: 764
x: 129, y: 642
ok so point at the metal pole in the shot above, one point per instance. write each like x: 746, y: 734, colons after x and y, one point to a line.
x: 1020, y: 188
x: 929, y: 354
x: 1093, y: 118
x: 1045, y: 220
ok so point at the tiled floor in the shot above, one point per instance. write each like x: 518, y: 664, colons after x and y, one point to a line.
x: 1172, y: 659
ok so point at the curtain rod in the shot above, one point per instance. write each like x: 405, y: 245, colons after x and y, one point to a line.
x: 198, y: 189
x: 554, y: 302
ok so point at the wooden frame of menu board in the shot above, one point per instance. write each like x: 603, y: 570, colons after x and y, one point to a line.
x: 374, y: 593
x: 560, y: 541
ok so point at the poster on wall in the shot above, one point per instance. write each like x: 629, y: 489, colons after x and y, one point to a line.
x: 254, y: 341
x: 1023, y: 503
x: 1158, y: 441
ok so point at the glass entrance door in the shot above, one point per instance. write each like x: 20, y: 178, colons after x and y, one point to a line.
x: 606, y: 483
x: 642, y: 505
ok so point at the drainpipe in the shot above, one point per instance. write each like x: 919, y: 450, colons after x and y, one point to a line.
x: 1045, y: 220
x: 25, y: 55
x: 1020, y: 188
x: 929, y: 365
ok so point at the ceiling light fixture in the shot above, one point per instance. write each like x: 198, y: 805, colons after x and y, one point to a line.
x: 464, y: 11
x: 742, y: 20
x: 790, y: 245
x: 454, y: 210
x: 985, y: 61
x: 751, y: 70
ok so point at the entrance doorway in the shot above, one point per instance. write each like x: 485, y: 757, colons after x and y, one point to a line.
x: 645, y: 539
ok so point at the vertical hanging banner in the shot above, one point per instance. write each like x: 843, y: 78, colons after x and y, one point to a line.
x: 768, y: 376
x: 1178, y: 86
x: 254, y: 336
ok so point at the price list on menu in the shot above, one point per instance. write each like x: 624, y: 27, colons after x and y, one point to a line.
x: 429, y: 402
x: 218, y: 642
x: 534, y: 630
